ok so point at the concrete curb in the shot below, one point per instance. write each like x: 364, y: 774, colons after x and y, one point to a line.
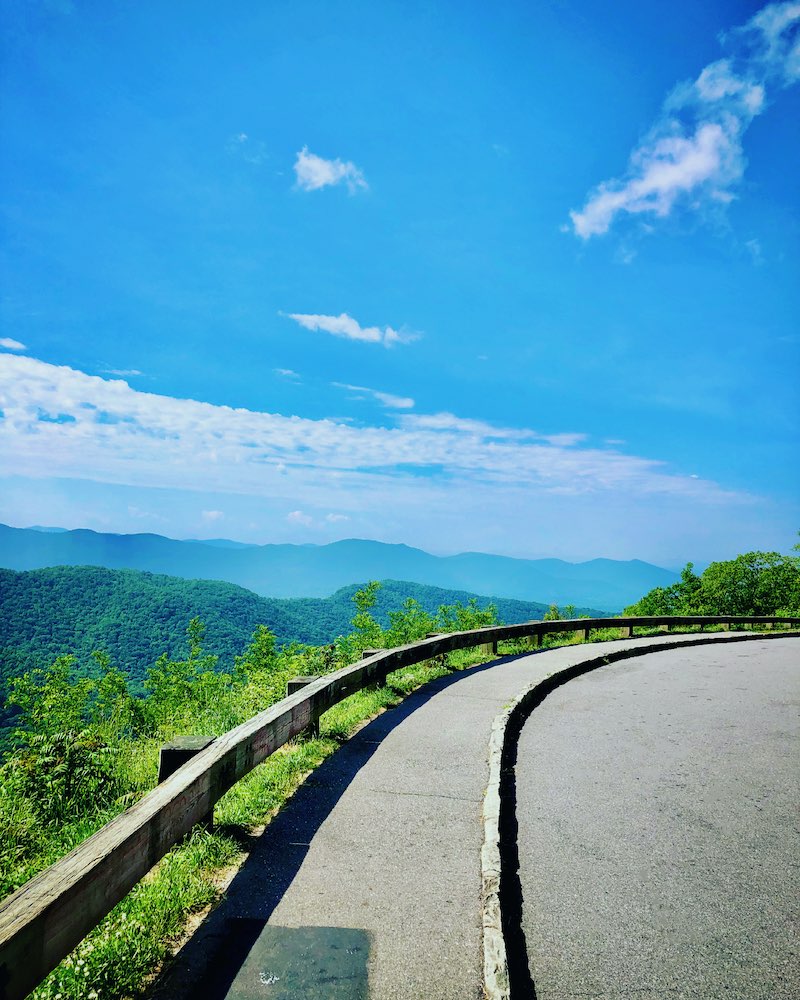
x: 495, y: 960
x: 495, y: 874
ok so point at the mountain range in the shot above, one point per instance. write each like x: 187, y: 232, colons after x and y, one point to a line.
x: 135, y: 616
x: 319, y: 570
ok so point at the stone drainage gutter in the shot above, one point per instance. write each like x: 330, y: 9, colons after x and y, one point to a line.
x: 505, y: 963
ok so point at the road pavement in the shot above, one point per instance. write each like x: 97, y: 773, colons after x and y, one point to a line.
x: 657, y: 810
x: 367, y: 883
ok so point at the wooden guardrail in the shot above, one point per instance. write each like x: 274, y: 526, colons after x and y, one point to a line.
x: 48, y: 916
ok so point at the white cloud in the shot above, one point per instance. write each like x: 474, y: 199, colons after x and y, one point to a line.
x: 313, y: 172
x: 384, y: 398
x: 58, y: 422
x: 299, y: 517
x: 11, y: 345
x: 123, y: 372
x: 212, y: 515
x: 287, y: 373
x: 345, y: 326
x: 336, y: 518
x: 693, y: 154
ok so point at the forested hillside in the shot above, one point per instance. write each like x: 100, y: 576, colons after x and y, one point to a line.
x: 135, y: 616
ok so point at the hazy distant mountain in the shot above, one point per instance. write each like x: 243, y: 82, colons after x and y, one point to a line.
x: 319, y: 570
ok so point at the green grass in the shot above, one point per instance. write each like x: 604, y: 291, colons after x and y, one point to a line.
x: 119, y: 956
x: 123, y: 953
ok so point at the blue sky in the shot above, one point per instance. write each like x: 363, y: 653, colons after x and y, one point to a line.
x: 519, y: 278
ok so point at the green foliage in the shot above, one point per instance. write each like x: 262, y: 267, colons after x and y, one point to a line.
x: 60, y: 698
x: 756, y: 583
x: 367, y: 633
x: 411, y: 623
x: 463, y: 617
x: 553, y: 614
x: 51, y: 700
x: 679, y: 599
x: 86, y: 745
x: 63, y: 775
x: 136, y: 616
x: 183, y: 693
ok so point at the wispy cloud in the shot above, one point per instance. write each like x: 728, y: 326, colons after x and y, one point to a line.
x: 313, y: 172
x: 212, y: 515
x: 287, y: 373
x: 693, y: 154
x: 486, y: 431
x: 11, y: 345
x: 299, y: 517
x: 756, y: 252
x: 61, y: 422
x: 250, y: 150
x: 384, y: 398
x: 345, y: 326
x: 143, y: 515
x: 123, y: 372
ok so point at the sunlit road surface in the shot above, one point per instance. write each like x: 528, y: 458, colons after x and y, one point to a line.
x: 658, y: 827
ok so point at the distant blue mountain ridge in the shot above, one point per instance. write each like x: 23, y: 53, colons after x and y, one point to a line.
x: 319, y: 570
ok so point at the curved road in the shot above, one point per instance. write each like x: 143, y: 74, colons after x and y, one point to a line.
x: 368, y: 882
x: 657, y: 810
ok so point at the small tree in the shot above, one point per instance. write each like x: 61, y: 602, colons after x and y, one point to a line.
x: 185, y: 695
x: 409, y: 624
x: 367, y: 632
x: 52, y: 700
x: 463, y: 617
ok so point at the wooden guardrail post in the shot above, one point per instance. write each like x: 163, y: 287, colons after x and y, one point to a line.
x: 488, y: 648
x: 175, y: 754
x: 586, y: 632
x: 381, y: 681
x: 626, y: 632
x: 297, y: 684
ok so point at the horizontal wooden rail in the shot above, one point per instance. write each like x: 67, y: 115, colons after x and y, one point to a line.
x: 48, y: 916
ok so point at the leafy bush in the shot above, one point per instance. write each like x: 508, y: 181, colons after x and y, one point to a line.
x: 63, y: 775
x: 756, y: 583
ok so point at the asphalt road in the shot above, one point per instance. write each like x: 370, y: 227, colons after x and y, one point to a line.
x: 368, y: 881
x: 658, y: 837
